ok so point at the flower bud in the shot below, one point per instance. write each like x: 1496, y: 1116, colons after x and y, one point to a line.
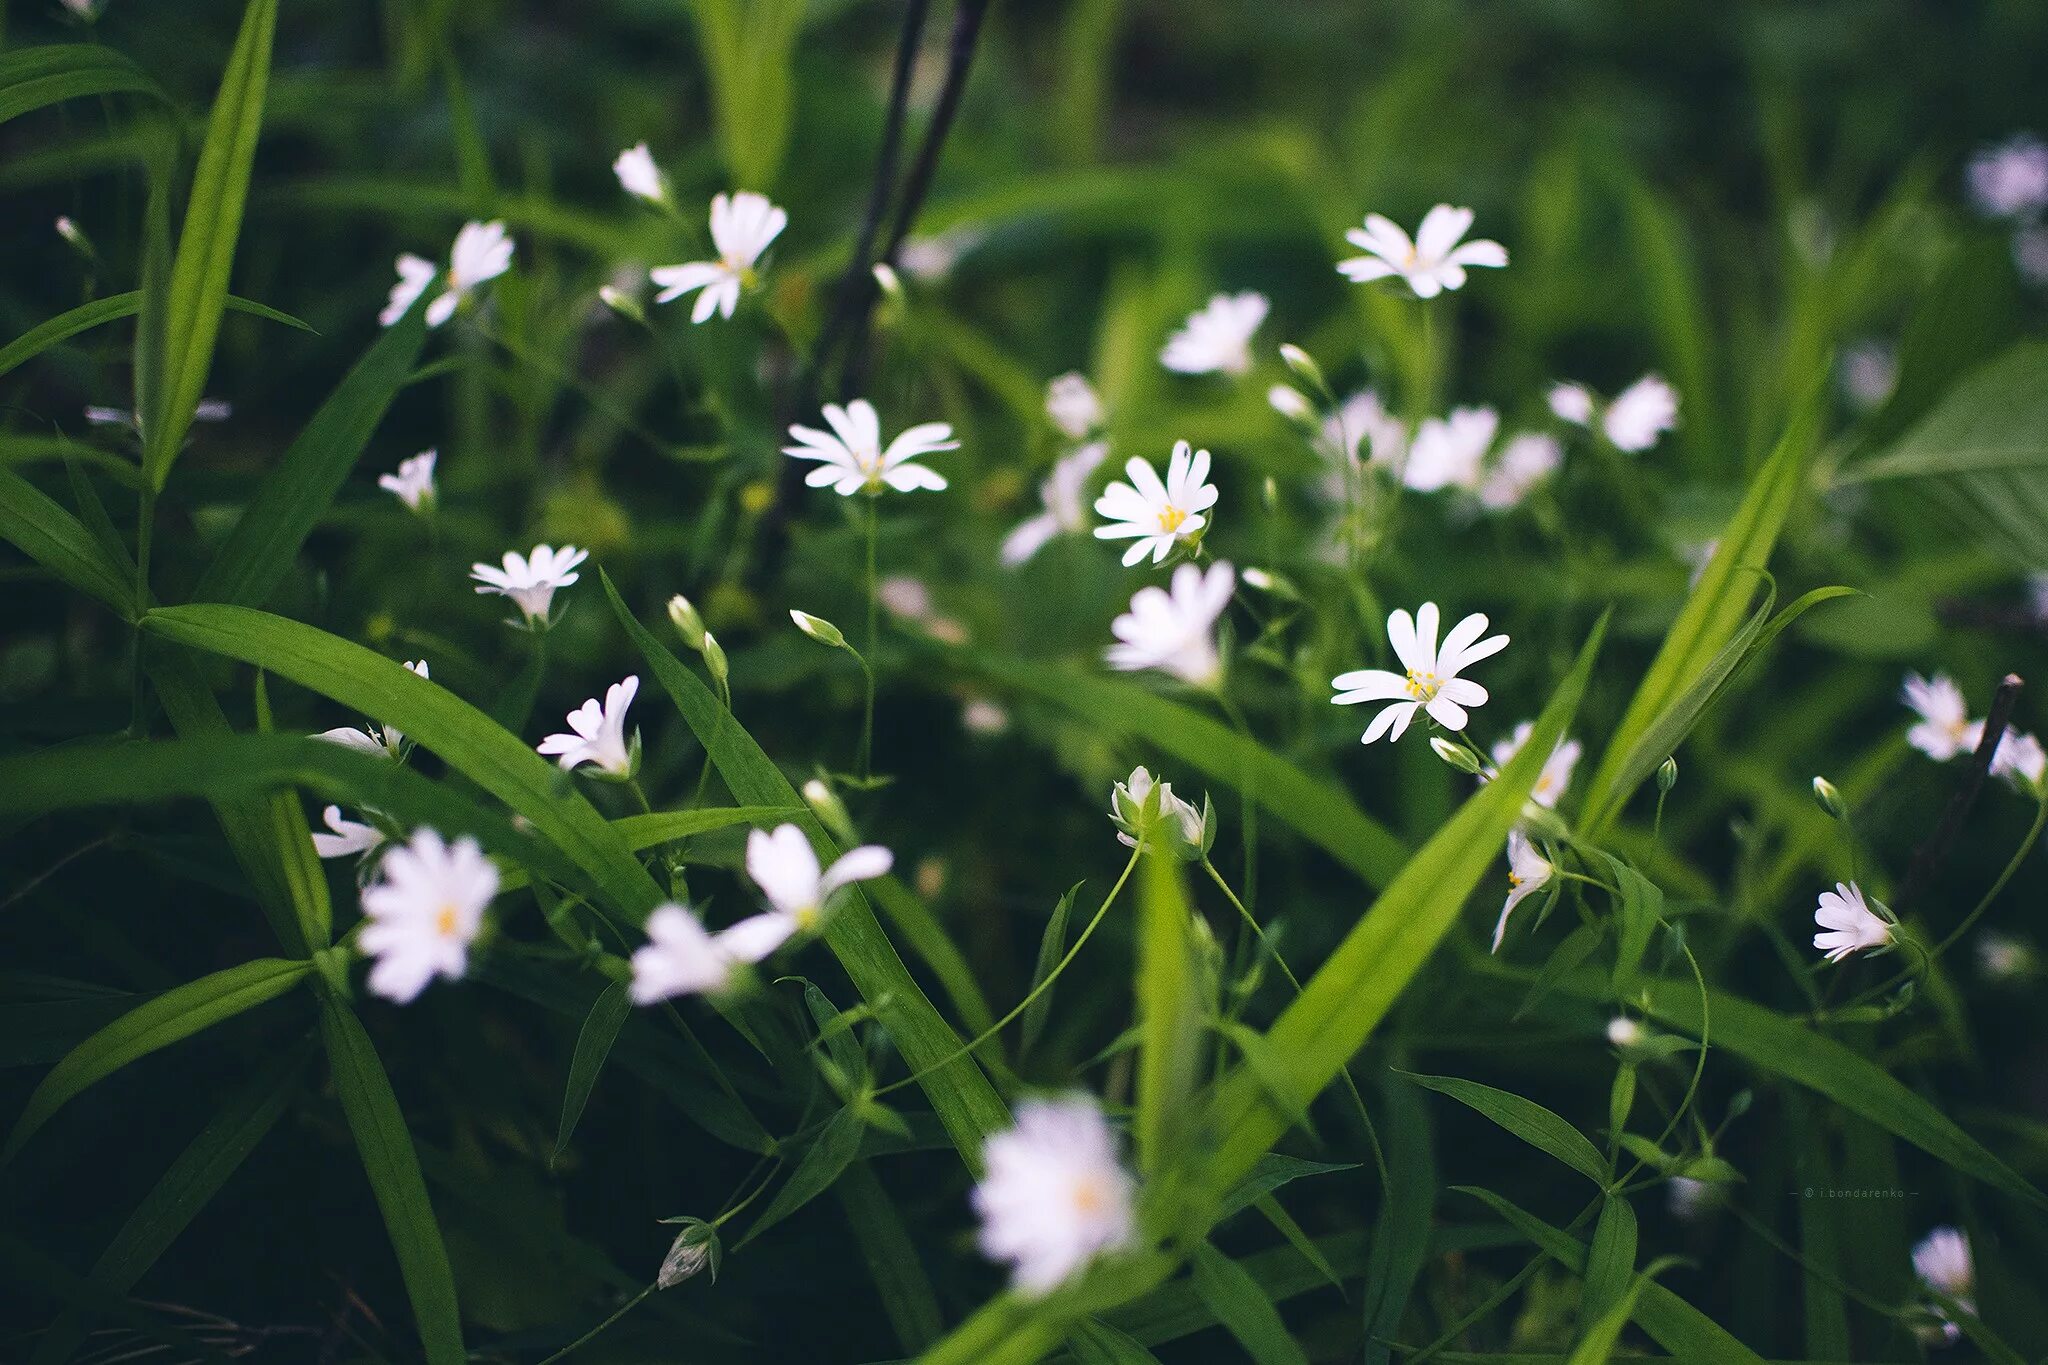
x: 1624, y: 1032
x: 1265, y: 580
x: 819, y: 629
x: 1291, y: 404
x: 1303, y: 364
x: 695, y: 1249
x: 714, y: 659
x: 1455, y: 754
x: 891, y: 283
x: 1145, y: 811
x: 1829, y: 798
x: 830, y: 809
x: 622, y: 303
x: 682, y: 614
x: 1667, y: 775
x: 75, y: 235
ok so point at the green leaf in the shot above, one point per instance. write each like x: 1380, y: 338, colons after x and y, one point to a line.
x: 1269, y: 1173
x: 1526, y: 1119
x: 393, y: 1168
x: 1243, y: 1309
x: 827, y: 1158
x: 1097, y: 1343
x: 87, y: 316
x: 750, y: 48
x: 33, y: 77
x: 594, y: 1044
x: 1611, y: 1264
x: 1596, y: 1347
x: 1052, y: 946
x: 206, y: 245
x: 1169, y: 1009
x: 174, y: 1015
x: 1401, y: 1236
x: 891, y: 1257
x: 40, y: 528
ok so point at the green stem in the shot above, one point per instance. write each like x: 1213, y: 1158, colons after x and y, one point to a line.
x: 628, y: 1306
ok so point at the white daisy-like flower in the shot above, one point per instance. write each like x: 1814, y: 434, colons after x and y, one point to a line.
x: 1053, y: 1195
x: 1066, y: 507
x: 1434, y: 261
x: 1944, y: 729
x: 385, y: 741
x: 531, y: 581
x: 1218, y: 338
x: 2019, y: 758
x: 1851, y: 925
x: 682, y: 957
x: 851, y: 458
x: 2010, y: 180
x: 349, y: 836
x: 639, y: 176
x: 1160, y: 515
x: 1943, y: 1262
x: 1450, y: 452
x: 1572, y: 403
x: 1557, y: 769
x: 423, y: 911
x: 1528, y: 873
x: 785, y: 866
x: 1173, y: 628
x: 1073, y: 405
x: 1430, y: 681
x: 413, y: 484
x: 1170, y: 815
x: 482, y: 252
x: 600, y: 733
x: 1523, y: 462
x: 1641, y: 413
x: 742, y: 226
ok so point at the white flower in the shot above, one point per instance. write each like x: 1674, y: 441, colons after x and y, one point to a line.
x: 981, y: 716
x: 600, y: 733
x: 1852, y: 926
x: 1066, y: 510
x: 1170, y: 815
x: 639, y: 176
x: 531, y: 582
x: 386, y: 741
x: 933, y: 258
x: 1217, y: 339
x: 1623, y: 1031
x: 1944, y: 728
x: 424, y: 911
x: 1943, y: 1262
x: 2019, y: 758
x: 1691, y: 1198
x: 785, y: 866
x: 905, y: 596
x: 1523, y: 463
x: 84, y: 9
x: 1450, y: 452
x: 1528, y: 873
x: 1362, y: 426
x: 1869, y: 373
x: 1160, y: 515
x: 482, y: 252
x: 681, y: 958
x: 2004, y: 958
x: 2010, y: 180
x: 742, y: 226
x: 1053, y: 1195
x: 1172, y: 628
x: 413, y: 484
x: 1640, y: 414
x: 1557, y: 769
x: 1072, y: 404
x: 1433, y: 262
x: 1431, y: 680
x: 852, y: 460
x: 1573, y: 403
x: 349, y: 836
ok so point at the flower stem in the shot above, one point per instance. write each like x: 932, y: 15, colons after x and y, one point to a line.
x: 628, y: 1306
x: 867, y: 723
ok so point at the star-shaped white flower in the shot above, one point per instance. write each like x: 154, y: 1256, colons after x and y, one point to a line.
x: 1430, y: 681
x: 531, y: 581
x: 682, y: 957
x: 851, y: 457
x: 1173, y: 629
x: 1557, y: 769
x: 1528, y: 873
x: 1073, y: 406
x: 1851, y: 925
x: 1450, y: 452
x: 639, y: 176
x: 1160, y: 515
x: 482, y: 251
x: 1944, y: 727
x: 1523, y: 462
x: 600, y: 733
x: 1066, y: 509
x: 1053, y: 1195
x: 785, y: 866
x: 423, y: 911
x: 1434, y: 261
x: 1218, y: 338
x: 742, y: 226
x: 413, y: 484
x: 385, y: 741
x: 2019, y: 758
x: 349, y: 836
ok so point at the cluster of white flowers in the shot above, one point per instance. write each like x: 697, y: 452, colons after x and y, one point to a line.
x: 1944, y: 731
x: 1632, y: 422
x: 482, y: 252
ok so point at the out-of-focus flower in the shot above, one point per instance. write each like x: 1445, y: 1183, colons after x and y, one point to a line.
x: 1528, y: 873
x: 1430, y: 681
x: 2010, y: 180
x: 2030, y: 253
x: 1142, y: 809
x: 1292, y: 404
x: 981, y: 716
x: 413, y: 484
x: 1157, y: 515
x: 424, y: 911
x: 902, y: 595
x: 482, y: 252
x: 1557, y: 769
x: 1053, y: 1195
x: 742, y: 226
x: 1217, y: 339
x: 851, y: 458
x: 1449, y: 452
x: 349, y: 836
x: 1173, y: 628
x: 2019, y: 759
x: 1524, y: 462
x: 1869, y: 373
x: 1944, y: 727
x: 681, y: 958
x: 1639, y: 414
x: 1573, y: 403
x: 933, y: 258
x: 386, y: 741
x: 1943, y: 1262
x: 639, y: 176
x: 1066, y: 507
x: 1850, y: 924
x: 1690, y: 1198
x: 1362, y: 429
x: 2002, y: 957
x: 785, y: 867
x: 1624, y: 1032
x: 1072, y: 404
x: 531, y: 581
x: 599, y: 737
x: 1435, y: 260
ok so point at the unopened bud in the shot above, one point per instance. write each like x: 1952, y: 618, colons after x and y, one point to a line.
x: 1829, y: 798
x: 1455, y: 754
x: 1667, y: 775
x: 1291, y: 404
x: 819, y: 629
x: 682, y: 614
x: 1302, y: 363
x: 73, y: 234
x: 891, y: 283
x: 714, y: 659
x: 695, y: 1249
x: 622, y: 303
x: 1623, y: 1031
x: 831, y: 810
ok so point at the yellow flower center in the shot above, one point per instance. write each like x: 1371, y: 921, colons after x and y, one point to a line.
x: 1171, y: 518
x: 807, y: 918
x: 1090, y: 1198
x: 444, y: 923
x: 1423, y: 686
x: 1514, y: 880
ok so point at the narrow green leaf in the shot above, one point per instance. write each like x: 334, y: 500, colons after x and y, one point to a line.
x: 1269, y: 1173
x: 33, y: 77
x: 892, y: 1258
x: 1097, y: 1343
x: 1243, y: 1309
x: 836, y: 1145
x: 1052, y: 946
x: 593, y: 1044
x: 87, y: 316
x: 1526, y: 1119
x: 174, y: 1015
x: 1169, y: 1009
x: 40, y: 528
x: 1611, y: 1263
x: 1596, y: 1347
x: 1401, y: 1235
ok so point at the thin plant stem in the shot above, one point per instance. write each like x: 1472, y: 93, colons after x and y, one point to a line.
x: 628, y: 1306
x: 867, y: 721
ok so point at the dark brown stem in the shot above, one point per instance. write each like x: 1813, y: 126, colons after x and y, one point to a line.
x: 1929, y: 857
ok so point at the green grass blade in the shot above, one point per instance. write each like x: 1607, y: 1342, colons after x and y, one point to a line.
x: 1052, y: 945
x: 593, y: 1045
x: 1169, y: 1011
x: 40, y: 527
x: 166, y: 1019
x: 827, y: 1158
x: 35, y: 77
x: 393, y: 1168
x: 1401, y: 1238
x: 1527, y: 1120
x: 113, y: 308
x: 892, y: 1258
x: 1243, y: 1308
x: 1097, y: 1343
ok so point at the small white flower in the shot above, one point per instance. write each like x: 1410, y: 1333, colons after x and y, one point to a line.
x: 1624, y: 1032
x: 1362, y: 428
x: 681, y: 958
x: 1433, y: 262
x: 1053, y: 1195
x: 1944, y: 728
x: 1066, y: 508
x: 742, y: 226
x: 1172, y: 629
x: 1159, y: 515
x: 639, y: 176
x: 1170, y: 816
x: 482, y: 251
x: 531, y: 581
x: 1528, y: 873
x: 1523, y: 462
x: 386, y: 741
x: 933, y: 258
x: 1430, y: 682
x: 1218, y: 338
x: 1072, y: 404
x: 600, y: 733
x: 1449, y: 452
x: 981, y: 716
x: 1691, y: 1198
x: 2010, y: 180
x: 2004, y: 958
x: 424, y: 911
x: 413, y: 484
x: 785, y: 866
x: 1943, y: 1262
x: 349, y: 836
x: 1641, y: 413
x: 2019, y: 758
x: 1573, y: 403
x: 1852, y: 926
x: 1557, y: 769
x: 851, y: 458
x: 1869, y: 373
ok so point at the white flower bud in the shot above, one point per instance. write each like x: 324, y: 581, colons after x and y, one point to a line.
x: 819, y: 629
x: 1667, y: 775
x: 714, y: 659
x: 695, y: 1249
x: 822, y: 799
x: 1829, y: 798
x: 1291, y: 404
x: 622, y: 303
x: 1303, y: 364
x: 682, y: 614
x: 1455, y: 754
x: 1624, y: 1032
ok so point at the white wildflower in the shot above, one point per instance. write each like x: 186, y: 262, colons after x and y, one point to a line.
x: 1430, y: 679
x: 1173, y: 628
x: 1157, y: 515
x: 1435, y: 260
x: 742, y: 226
x: 1053, y: 1195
